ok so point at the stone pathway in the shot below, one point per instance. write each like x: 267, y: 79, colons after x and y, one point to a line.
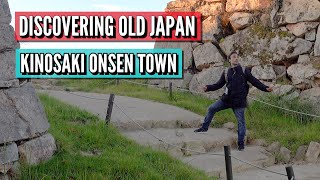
x: 175, y: 126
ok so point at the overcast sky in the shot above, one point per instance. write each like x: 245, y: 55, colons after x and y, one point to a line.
x: 86, y: 5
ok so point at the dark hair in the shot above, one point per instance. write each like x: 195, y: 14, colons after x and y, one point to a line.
x: 233, y: 52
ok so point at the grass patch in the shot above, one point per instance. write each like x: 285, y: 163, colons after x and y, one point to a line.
x: 262, y: 121
x: 77, y: 131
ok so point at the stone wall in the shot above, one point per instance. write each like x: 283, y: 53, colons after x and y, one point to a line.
x: 23, y: 122
x: 278, y: 39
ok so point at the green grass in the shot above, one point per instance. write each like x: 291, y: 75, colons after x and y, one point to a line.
x: 262, y: 121
x: 120, y: 158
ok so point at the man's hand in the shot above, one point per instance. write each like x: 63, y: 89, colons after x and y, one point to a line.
x: 270, y: 88
x: 205, y: 89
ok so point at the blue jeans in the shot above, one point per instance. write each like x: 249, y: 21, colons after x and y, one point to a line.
x: 238, y: 112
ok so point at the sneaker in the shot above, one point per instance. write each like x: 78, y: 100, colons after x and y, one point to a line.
x: 241, y: 146
x: 200, y: 130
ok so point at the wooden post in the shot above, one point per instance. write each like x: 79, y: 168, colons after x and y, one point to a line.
x: 109, y: 110
x: 117, y: 82
x: 290, y: 173
x: 170, y: 91
x: 228, y: 162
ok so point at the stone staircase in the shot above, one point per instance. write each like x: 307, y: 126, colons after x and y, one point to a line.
x: 174, y: 126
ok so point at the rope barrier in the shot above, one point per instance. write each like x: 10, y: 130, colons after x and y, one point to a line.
x: 173, y: 145
x: 266, y: 103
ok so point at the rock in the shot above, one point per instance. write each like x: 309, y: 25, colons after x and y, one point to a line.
x: 229, y: 125
x: 7, y: 38
x: 311, y: 95
x: 265, y: 20
x: 7, y: 66
x: 304, y: 59
x: 8, y: 155
x: 249, y: 61
x: 292, y: 96
x: 205, y: 55
x: 264, y: 73
x: 310, y: 35
x: 247, y: 5
x: 22, y: 115
x: 301, y: 73
x: 176, y: 83
x: 5, y: 15
x: 207, y: 76
x: 301, y: 28
x: 285, y: 154
x: 15, y: 171
x: 280, y: 71
x: 179, y: 133
x: 8, y: 84
x: 38, y: 150
x: 299, y: 46
x: 284, y: 29
x: 317, y: 44
x: 267, y: 46
x: 274, y: 147
x: 259, y: 142
x: 194, y: 146
x: 294, y: 11
x: 241, y: 20
x: 313, y: 152
x: 185, y: 46
x: 211, y: 28
x: 282, y: 90
x: 181, y: 5
x: 210, y: 9
x: 4, y: 177
x: 301, y: 152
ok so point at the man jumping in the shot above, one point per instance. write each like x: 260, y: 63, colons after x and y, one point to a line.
x: 235, y: 96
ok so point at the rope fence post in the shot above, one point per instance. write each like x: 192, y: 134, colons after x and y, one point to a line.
x: 117, y: 82
x: 109, y: 110
x: 170, y: 91
x: 228, y: 163
x: 290, y: 173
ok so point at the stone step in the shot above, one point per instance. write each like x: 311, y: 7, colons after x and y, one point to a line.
x: 148, y: 114
x: 305, y: 172
x: 212, y: 141
x: 215, y: 165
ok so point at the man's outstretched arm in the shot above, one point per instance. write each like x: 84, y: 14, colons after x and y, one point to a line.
x: 256, y: 83
x: 218, y: 85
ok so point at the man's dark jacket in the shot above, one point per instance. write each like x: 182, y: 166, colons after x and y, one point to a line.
x: 237, y: 86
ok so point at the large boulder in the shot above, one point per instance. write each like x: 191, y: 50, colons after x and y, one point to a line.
x: 207, y: 54
x: 247, y: 5
x: 210, y: 9
x: 38, y: 150
x: 211, y: 28
x: 7, y: 38
x: 206, y: 77
x: 5, y: 15
x: 264, y: 73
x: 7, y: 66
x: 317, y: 44
x: 282, y: 90
x: 294, y: 11
x: 22, y: 115
x: 311, y: 95
x: 313, y: 152
x: 266, y: 45
x: 186, y: 48
x: 302, y: 73
x: 311, y: 35
x: 8, y: 155
x: 241, y: 20
x: 176, y: 83
x: 301, y: 28
x: 181, y: 5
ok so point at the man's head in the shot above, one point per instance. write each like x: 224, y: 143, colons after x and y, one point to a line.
x: 233, y: 58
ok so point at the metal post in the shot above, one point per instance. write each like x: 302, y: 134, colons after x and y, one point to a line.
x: 290, y: 173
x: 228, y: 162
x: 109, y: 110
x: 170, y: 90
